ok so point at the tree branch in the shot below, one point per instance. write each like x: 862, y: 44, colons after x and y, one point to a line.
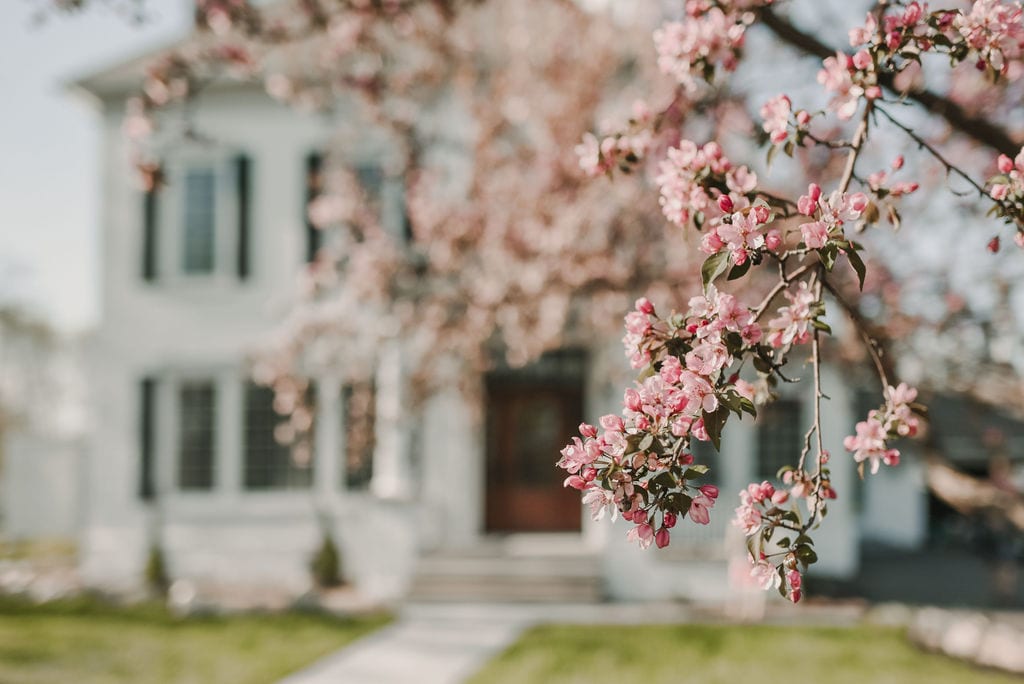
x: 980, y: 129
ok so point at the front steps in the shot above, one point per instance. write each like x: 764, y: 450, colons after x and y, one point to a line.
x: 514, y: 569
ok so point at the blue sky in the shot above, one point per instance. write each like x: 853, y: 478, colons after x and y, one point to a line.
x: 49, y: 146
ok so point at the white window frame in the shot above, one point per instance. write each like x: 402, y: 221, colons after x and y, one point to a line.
x: 171, y: 255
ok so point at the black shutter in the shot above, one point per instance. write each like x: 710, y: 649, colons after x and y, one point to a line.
x: 314, y: 186
x: 243, y: 176
x: 147, y: 438
x: 149, y: 233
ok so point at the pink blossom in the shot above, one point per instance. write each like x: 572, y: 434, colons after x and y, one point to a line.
x: 699, y: 509
x: 765, y: 575
x: 791, y: 323
x: 836, y: 78
x: 748, y: 518
x: 815, y: 235
x: 776, y: 113
x: 643, y: 534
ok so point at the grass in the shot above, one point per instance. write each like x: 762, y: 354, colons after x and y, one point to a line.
x: 723, y: 654
x: 87, y: 642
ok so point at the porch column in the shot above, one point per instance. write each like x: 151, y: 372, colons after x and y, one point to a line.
x: 327, y: 447
x: 230, y: 424
x: 391, y: 463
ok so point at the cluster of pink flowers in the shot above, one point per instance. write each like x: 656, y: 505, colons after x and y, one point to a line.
x: 791, y: 322
x: 689, y: 177
x: 994, y: 30
x: 754, y: 502
x: 895, y: 419
x: 759, y: 515
x: 742, y: 233
x: 620, y: 149
x: 638, y: 463
x: 1011, y: 185
x: 1007, y: 188
x: 831, y: 214
x: 849, y: 78
x: 904, y: 25
x: 694, y: 47
x: 768, y: 576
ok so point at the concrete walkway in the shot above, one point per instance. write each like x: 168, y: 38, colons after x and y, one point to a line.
x: 445, y: 643
x: 437, y: 645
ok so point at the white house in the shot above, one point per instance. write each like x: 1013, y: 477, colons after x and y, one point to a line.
x: 443, y: 503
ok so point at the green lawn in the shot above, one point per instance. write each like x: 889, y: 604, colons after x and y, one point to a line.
x: 724, y: 654
x: 86, y: 642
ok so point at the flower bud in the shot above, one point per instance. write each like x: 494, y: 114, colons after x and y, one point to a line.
x: 803, y: 117
x: 780, y: 497
x: 761, y: 213
x: 588, y: 430
x: 643, y: 305
x: 709, y: 490
x: 873, y: 92
x: 661, y: 538
x: 725, y: 203
x: 1005, y: 164
x: 669, y: 519
x: 897, y: 163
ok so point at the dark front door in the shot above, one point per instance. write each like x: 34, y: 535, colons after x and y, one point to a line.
x: 531, y: 414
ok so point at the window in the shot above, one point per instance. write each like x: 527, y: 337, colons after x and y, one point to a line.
x: 197, y: 420
x: 359, y: 413
x: 200, y: 214
x: 268, y: 463
x: 147, y: 442
x: 200, y: 223
x: 780, y: 437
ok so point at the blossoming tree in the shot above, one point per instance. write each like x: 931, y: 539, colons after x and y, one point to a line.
x: 639, y: 464
x: 765, y: 253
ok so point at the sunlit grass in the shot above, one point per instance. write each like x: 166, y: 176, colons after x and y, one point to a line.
x: 86, y: 642
x: 724, y: 654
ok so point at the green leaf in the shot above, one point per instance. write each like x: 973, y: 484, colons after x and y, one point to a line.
x: 740, y: 270
x: 713, y: 267
x: 748, y: 406
x: 762, y: 365
x: 828, y: 255
x: 714, y: 422
x: 806, y: 554
x: 695, y: 471
x: 858, y: 266
x: 819, y: 325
